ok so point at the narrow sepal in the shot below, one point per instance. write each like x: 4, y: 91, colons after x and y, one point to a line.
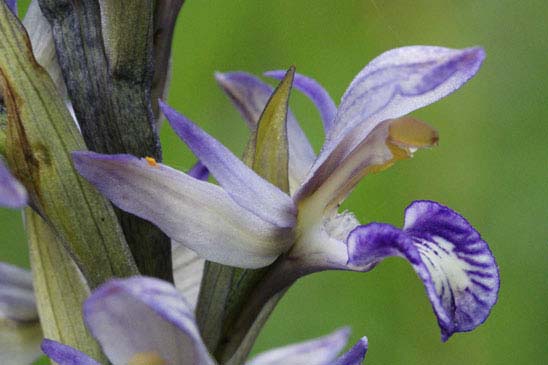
x: 315, y: 92
x: 144, y: 318
x: 250, y: 95
x: 241, y: 183
x: 65, y: 355
x: 456, y: 266
x: 199, y: 215
x: 199, y: 171
x: 320, y: 351
x: 355, y: 355
x: 12, y: 192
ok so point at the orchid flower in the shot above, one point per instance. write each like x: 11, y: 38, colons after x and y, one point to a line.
x: 245, y: 221
x: 20, y: 333
x: 146, y: 321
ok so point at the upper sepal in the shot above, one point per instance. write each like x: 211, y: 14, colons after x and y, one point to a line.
x: 394, y: 84
x: 456, y: 266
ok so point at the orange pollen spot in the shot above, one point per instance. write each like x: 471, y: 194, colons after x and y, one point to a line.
x: 151, y: 161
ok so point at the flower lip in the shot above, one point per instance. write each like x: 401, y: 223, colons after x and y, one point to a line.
x: 456, y: 266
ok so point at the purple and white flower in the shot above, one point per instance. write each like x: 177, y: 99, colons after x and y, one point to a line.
x: 146, y: 321
x: 248, y: 222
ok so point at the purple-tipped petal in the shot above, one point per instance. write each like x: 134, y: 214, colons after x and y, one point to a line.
x: 246, y: 187
x: 12, y: 192
x: 456, y: 266
x: 355, y: 355
x: 319, y: 351
x: 65, y: 355
x: 12, y: 4
x: 315, y: 92
x: 392, y: 85
x: 250, y: 95
x: 188, y: 269
x: 199, y: 215
x: 144, y: 318
x: 17, y: 301
x: 199, y: 171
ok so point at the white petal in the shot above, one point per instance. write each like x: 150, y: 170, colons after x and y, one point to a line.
x: 144, y: 318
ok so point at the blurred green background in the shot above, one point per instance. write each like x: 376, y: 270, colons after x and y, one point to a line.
x: 491, y: 164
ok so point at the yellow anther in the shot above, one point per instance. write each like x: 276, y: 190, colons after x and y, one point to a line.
x: 405, y: 135
x: 147, y: 358
x: 151, y: 161
x: 409, y: 132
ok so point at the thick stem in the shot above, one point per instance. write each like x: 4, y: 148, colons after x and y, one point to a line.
x: 105, y: 52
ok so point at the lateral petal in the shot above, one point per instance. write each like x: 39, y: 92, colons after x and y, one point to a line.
x: 246, y: 187
x: 143, y: 320
x: 12, y: 192
x: 319, y: 351
x: 392, y: 85
x: 457, y: 268
x: 199, y: 215
x: 65, y: 355
x: 315, y: 92
x: 249, y: 94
